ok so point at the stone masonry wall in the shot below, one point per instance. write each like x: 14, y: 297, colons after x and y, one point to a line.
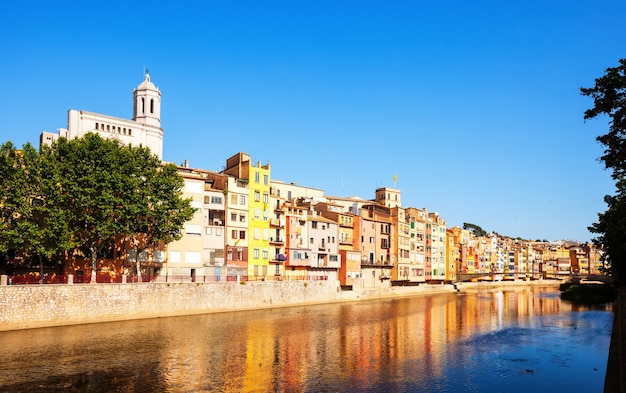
x: 31, y: 306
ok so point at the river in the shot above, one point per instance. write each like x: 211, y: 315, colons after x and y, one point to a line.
x: 517, y: 340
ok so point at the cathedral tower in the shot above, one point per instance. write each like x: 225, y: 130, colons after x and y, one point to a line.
x: 147, y: 103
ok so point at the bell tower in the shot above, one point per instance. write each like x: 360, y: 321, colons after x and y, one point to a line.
x: 147, y: 103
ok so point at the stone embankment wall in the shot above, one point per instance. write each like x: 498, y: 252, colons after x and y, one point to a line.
x: 33, y: 306
x: 29, y: 306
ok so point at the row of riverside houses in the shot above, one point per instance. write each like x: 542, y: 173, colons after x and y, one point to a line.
x: 248, y: 226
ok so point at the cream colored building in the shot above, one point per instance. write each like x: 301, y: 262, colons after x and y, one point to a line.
x: 144, y: 129
x: 184, y: 256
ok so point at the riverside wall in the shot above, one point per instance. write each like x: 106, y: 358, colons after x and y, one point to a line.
x: 34, y: 306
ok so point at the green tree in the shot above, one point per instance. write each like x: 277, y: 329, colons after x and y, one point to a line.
x: 32, y: 220
x: 155, y: 211
x: 611, y: 230
x: 14, y: 198
x: 109, y: 191
x: 93, y: 191
x: 609, y: 98
x: 475, y: 229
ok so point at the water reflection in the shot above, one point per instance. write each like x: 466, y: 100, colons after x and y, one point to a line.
x: 481, y: 341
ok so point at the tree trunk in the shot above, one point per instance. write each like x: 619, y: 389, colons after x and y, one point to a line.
x: 93, y: 264
x: 138, y: 265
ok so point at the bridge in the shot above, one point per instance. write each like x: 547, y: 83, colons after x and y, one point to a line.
x: 582, y: 278
x: 464, y: 277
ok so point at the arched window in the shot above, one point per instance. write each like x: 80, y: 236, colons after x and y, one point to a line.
x: 143, y: 105
x: 152, y: 105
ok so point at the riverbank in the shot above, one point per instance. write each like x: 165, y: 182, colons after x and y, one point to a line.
x: 35, y: 306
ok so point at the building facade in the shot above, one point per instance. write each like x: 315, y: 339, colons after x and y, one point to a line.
x: 144, y: 129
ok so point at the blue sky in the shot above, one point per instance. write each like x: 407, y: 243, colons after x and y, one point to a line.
x: 475, y: 106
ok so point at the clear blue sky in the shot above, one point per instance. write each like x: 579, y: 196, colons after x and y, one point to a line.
x: 475, y: 106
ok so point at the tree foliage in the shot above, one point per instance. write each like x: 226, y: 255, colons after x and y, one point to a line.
x: 155, y: 210
x: 475, y: 229
x: 609, y: 98
x: 611, y: 230
x: 85, y: 193
x: 31, y: 218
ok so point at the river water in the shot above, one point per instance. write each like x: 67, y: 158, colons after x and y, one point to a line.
x: 518, y: 340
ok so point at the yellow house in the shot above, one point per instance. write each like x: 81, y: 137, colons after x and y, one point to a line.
x: 258, y: 177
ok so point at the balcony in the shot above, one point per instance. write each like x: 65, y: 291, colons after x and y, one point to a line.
x: 277, y: 240
x: 279, y: 258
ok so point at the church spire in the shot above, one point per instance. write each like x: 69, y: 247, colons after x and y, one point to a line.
x: 147, y: 103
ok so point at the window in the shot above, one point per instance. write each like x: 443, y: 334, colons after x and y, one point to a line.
x: 242, y: 199
x: 233, y: 216
x: 266, y: 180
x: 152, y: 105
x: 257, y: 213
x: 194, y: 187
x: 242, y: 218
x: 257, y: 233
x: 215, y: 199
x: 209, y: 230
x: 233, y: 199
x: 257, y: 177
x: 265, y: 253
x: 242, y: 234
x: 265, y: 215
x: 312, y: 241
x: 193, y: 257
x: 265, y: 198
x: 256, y: 253
x: 174, y: 257
x: 193, y: 229
x: 257, y: 196
x: 233, y: 234
x: 314, y: 224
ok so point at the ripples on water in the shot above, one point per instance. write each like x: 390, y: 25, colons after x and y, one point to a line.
x: 514, y: 341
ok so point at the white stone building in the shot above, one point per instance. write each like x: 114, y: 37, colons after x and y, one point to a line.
x: 144, y: 129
